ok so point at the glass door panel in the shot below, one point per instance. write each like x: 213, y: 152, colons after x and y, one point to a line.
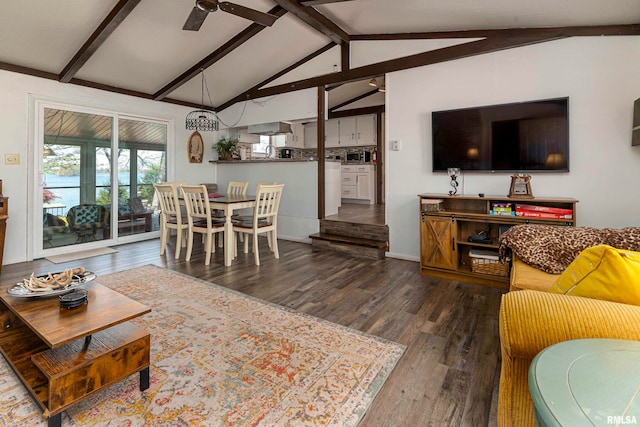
x: 75, y: 163
x: 141, y: 163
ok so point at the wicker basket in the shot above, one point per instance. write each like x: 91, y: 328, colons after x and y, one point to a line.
x: 486, y: 262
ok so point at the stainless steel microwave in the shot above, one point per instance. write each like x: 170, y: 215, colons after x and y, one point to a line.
x: 354, y: 157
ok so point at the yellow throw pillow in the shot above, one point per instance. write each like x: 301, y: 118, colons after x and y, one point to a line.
x: 602, y: 272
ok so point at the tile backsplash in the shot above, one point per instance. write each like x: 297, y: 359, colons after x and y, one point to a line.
x: 305, y: 153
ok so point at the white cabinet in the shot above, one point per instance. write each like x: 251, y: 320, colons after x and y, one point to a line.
x: 332, y: 133
x: 347, y: 126
x: 332, y: 197
x: 358, y: 182
x: 366, y: 130
x: 350, y: 131
x: 343, y: 132
x: 311, y: 135
x: 295, y: 139
x: 340, y: 132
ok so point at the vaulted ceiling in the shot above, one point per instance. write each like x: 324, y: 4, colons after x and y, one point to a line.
x: 139, y: 47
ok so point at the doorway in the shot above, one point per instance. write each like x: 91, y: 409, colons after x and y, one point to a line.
x: 354, y: 133
x: 94, y: 186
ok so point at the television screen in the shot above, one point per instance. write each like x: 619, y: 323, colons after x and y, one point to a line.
x: 528, y: 136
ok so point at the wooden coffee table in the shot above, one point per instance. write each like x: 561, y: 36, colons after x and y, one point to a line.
x: 63, y: 356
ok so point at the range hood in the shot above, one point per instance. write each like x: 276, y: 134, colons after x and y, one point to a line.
x: 273, y: 128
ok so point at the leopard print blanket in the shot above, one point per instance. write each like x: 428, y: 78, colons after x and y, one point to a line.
x: 552, y: 248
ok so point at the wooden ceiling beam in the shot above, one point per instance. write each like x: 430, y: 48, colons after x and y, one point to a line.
x: 425, y: 58
x: 375, y: 109
x: 137, y: 94
x: 216, y: 55
x: 102, y: 33
x: 345, y: 57
x: 597, y: 30
x: 352, y: 100
x: 317, y: 2
x: 316, y: 20
x: 279, y: 74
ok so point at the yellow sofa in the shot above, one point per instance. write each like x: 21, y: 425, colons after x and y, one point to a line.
x: 523, y: 276
x: 531, y: 320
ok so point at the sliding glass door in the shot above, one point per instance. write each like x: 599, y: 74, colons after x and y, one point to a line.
x: 95, y: 173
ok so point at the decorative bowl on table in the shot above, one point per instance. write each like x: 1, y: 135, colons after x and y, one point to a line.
x: 51, y: 284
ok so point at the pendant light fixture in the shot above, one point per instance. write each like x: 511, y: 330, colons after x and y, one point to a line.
x: 203, y: 120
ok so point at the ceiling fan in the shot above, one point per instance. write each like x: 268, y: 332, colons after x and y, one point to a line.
x: 204, y: 7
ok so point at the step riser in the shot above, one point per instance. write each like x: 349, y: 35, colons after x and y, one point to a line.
x: 363, y: 231
x: 345, y: 248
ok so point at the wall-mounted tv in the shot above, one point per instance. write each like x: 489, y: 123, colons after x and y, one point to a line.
x: 530, y: 136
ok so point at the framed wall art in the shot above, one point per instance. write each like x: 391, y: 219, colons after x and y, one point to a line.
x: 195, y: 148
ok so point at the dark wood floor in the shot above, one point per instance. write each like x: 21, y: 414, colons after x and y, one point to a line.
x: 449, y: 373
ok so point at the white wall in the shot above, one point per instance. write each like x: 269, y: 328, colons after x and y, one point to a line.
x: 18, y: 92
x: 601, y: 77
x: 298, y: 211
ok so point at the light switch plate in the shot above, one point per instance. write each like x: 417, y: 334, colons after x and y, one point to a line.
x: 12, y: 159
x: 395, y: 145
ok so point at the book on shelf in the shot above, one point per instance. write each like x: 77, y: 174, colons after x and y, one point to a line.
x: 502, y: 213
x: 547, y: 209
x: 538, y: 214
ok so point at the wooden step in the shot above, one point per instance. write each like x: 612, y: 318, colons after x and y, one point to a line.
x: 365, y: 248
x: 363, y: 231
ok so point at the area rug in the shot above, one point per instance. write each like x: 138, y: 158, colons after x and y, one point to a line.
x: 221, y: 358
x: 73, y: 256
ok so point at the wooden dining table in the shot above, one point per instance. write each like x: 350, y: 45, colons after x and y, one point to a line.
x: 228, y: 204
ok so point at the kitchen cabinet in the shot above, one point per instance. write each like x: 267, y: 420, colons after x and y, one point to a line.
x: 351, y: 131
x: 358, y: 183
x: 341, y: 132
x: 332, y: 133
x: 295, y: 139
x: 365, y: 130
x: 311, y: 135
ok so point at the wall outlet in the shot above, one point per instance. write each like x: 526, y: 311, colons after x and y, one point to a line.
x: 12, y: 159
x: 395, y: 145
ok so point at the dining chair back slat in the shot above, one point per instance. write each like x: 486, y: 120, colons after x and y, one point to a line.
x: 265, y: 219
x: 237, y: 188
x: 171, y: 217
x: 196, y: 199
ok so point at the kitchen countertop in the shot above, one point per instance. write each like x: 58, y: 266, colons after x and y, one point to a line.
x: 239, y: 162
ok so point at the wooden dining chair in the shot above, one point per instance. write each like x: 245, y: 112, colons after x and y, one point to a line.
x: 264, y: 219
x: 196, y: 198
x: 237, y: 187
x: 171, y: 216
x: 247, y: 214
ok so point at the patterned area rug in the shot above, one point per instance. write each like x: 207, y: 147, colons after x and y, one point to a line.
x: 221, y: 358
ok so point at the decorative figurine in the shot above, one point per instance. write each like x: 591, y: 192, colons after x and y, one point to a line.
x: 453, y: 173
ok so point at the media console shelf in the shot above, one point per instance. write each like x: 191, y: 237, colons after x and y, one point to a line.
x: 447, y: 222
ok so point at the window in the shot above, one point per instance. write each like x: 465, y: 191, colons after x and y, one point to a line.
x: 263, y: 146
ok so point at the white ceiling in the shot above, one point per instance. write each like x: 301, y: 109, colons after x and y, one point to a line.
x: 149, y: 49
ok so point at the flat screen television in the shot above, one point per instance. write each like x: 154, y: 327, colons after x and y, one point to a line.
x: 530, y: 136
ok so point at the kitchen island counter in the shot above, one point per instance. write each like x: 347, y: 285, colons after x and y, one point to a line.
x: 242, y: 162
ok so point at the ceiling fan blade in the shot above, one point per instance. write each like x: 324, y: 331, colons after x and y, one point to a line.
x: 258, y: 17
x: 195, y: 19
